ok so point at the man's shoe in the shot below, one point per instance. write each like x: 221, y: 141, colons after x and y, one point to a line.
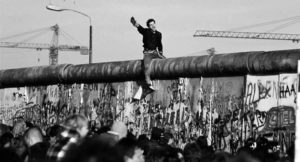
x: 138, y: 94
x: 151, y: 88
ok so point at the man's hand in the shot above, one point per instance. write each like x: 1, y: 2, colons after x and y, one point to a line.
x: 133, y: 21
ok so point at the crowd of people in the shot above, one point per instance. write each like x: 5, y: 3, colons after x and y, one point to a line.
x: 75, y: 141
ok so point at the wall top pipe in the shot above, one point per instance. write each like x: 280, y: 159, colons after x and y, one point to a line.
x: 232, y: 64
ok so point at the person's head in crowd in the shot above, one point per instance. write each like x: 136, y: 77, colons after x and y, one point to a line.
x: 79, y: 123
x: 173, y: 154
x: 192, y: 153
x: 92, y: 150
x: 180, y: 154
x: 270, y: 152
x: 291, y: 152
x: 74, y: 132
x: 9, y: 155
x: 94, y: 126
x: 155, y: 152
x: 207, y: 152
x: 221, y: 157
x: 116, y: 133
x: 32, y: 136
x: 156, y: 134
x: 53, y: 133
x: 251, y: 143
x: 37, y: 152
x: 167, y: 139
x: 143, y: 142
x: 129, y: 150
x: 273, y: 147
x: 29, y: 124
x: 19, y: 127
x: 3, y: 129
x: 120, y: 128
x: 110, y: 138
x: 19, y: 146
x: 246, y: 154
x: 130, y: 135
x: 103, y: 129
x: 142, y: 138
x: 262, y: 142
x: 5, y: 140
x: 202, y: 141
x: 261, y: 151
x: 75, y: 129
x: 193, y: 138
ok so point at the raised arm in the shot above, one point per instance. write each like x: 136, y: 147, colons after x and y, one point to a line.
x: 137, y: 25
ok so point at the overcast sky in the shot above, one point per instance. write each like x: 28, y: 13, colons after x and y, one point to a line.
x: 115, y: 39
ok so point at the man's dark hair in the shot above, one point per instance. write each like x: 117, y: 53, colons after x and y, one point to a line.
x: 149, y: 21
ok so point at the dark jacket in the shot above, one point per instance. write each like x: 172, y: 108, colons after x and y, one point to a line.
x: 151, y: 40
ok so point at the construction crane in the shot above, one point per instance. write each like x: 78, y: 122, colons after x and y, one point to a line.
x: 276, y: 25
x: 53, y: 47
x: 247, y: 35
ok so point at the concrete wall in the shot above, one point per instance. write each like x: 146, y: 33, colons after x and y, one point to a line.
x: 226, y: 109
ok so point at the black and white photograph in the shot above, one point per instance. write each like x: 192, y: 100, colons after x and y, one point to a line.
x: 149, y: 81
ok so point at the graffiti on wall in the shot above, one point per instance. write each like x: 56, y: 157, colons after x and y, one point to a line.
x: 288, y: 89
x: 222, y: 100
x: 11, y: 99
x: 226, y: 109
x: 270, y: 107
x: 261, y: 95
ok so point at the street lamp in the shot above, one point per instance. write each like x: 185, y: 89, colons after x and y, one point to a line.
x: 56, y: 8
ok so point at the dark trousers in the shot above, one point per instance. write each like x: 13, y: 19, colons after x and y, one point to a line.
x: 148, y: 57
